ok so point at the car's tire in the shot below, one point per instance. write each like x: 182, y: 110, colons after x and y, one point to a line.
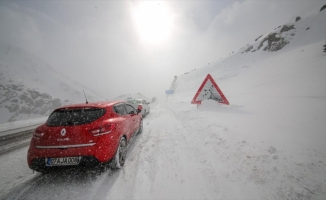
x: 140, y: 130
x: 121, y: 155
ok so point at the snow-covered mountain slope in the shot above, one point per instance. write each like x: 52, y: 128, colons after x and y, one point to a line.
x: 270, y: 141
x: 301, y: 47
x: 30, y: 87
x: 283, y: 92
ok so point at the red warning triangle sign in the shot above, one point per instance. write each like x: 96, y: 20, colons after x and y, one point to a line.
x: 209, y: 90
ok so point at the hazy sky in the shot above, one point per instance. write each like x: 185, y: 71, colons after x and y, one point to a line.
x: 119, y: 47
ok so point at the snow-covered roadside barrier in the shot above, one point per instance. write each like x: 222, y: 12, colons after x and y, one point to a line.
x: 20, y: 124
x: 17, y: 134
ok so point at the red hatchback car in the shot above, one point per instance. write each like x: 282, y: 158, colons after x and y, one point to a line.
x: 85, y: 135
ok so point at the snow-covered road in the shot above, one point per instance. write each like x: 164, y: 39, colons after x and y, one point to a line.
x: 184, y: 152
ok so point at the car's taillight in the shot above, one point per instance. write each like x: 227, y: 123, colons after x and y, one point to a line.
x: 103, y: 130
x: 37, y: 134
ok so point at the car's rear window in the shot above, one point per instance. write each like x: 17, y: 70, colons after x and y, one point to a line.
x: 76, y: 116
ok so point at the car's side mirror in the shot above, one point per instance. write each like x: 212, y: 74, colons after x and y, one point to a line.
x: 139, y: 108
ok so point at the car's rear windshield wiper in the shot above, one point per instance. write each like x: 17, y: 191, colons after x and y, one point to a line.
x: 72, y: 123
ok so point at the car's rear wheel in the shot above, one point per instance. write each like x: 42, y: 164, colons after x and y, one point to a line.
x: 120, y: 156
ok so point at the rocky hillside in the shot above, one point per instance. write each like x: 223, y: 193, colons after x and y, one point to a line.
x: 19, y: 102
x: 274, y: 41
x: 283, y: 35
x: 30, y: 87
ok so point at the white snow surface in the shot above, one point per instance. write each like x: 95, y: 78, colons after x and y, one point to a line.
x: 269, y: 143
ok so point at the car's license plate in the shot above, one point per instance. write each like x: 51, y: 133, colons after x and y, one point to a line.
x: 62, y: 161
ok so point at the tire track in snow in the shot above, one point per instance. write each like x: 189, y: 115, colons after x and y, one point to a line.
x: 50, y: 186
x: 182, y: 145
x: 195, y: 141
x: 128, y: 177
x: 164, y: 169
x: 152, y: 157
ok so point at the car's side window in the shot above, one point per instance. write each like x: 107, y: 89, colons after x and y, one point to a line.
x: 120, y: 109
x: 130, y: 109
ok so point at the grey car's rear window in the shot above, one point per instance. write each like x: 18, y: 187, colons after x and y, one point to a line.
x: 120, y: 109
x: 77, y: 116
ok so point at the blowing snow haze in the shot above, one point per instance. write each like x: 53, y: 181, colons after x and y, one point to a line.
x: 52, y: 50
x: 268, y: 58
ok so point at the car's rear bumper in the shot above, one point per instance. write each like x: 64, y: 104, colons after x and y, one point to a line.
x: 101, y: 152
x: 38, y: 164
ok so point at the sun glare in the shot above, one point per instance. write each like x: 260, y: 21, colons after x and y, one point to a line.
x: 153, y: 21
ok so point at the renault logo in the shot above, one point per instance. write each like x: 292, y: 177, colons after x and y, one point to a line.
x: 63, y: 132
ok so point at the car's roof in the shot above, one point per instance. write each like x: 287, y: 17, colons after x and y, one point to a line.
x: 99, y: 104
